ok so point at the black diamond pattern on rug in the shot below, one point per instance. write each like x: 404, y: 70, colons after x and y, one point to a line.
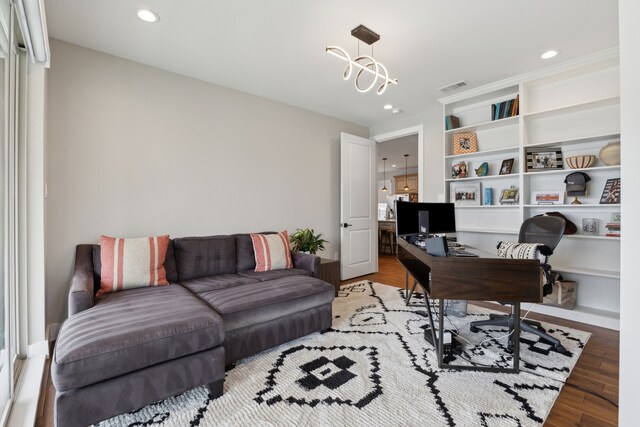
x: 322, y: 371
x: 325, y: 379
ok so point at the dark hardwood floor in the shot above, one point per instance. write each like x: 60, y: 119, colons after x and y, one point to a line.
x: 596, y: 370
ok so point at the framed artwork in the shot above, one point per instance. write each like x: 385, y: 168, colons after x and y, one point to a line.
x: 590, y: 225
x: 459, y: 170
x: 611, y: 192
x: 544, y: 159
x: 467, y: 194
x: 547, y: 197
x: 464, y: 143
x: 509, y: 196
x: 507, y: 165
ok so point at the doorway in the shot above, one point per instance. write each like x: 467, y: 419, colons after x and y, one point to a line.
x: 399, y: 177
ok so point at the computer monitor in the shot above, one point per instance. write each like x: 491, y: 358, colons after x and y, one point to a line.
x: 442, y: 217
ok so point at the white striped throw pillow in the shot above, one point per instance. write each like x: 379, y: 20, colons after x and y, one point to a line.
x: 508, y: 249
x: 132, y: 263
x: 272, y: 251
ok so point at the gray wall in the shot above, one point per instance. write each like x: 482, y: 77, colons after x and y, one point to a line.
x: 136, y: 151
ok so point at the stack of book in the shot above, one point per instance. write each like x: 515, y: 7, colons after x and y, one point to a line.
x: 505, y: 109
x: 451, y: 122
x: 613, y: 227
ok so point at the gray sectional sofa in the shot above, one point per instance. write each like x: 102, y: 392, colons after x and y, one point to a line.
x: 131, y: 348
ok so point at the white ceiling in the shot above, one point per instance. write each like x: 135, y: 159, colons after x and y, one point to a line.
x: 394, y: 150
x: 275, y: 49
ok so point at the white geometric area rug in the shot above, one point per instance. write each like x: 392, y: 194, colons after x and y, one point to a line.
x: 374, y: 368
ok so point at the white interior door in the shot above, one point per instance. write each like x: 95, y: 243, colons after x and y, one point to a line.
x: 358, y: 221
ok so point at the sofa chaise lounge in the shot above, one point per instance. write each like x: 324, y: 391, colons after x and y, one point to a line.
x: 127, y: 349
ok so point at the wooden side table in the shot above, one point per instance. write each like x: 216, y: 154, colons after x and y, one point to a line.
x: 330, y: 272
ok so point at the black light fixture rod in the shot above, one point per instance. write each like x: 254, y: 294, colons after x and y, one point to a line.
x: 406, y: 174
x: 384, y: 174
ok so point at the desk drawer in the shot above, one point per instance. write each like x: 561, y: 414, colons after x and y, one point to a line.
x: 486, y: 279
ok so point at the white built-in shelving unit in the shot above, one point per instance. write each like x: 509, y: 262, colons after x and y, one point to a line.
x: 576, y: 108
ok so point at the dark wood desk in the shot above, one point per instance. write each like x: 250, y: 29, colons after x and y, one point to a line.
x: 485, y: 278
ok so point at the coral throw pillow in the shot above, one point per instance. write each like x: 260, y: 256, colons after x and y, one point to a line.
x: 272, y: 251
x: 132, y: 263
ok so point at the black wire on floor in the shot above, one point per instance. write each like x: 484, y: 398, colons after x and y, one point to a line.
x: 462, y: 356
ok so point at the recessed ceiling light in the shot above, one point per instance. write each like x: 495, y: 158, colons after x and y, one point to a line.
x: 396, y: 110
x: 394, y: 166
x: 388, y: 107
x: 549, y: 54
x: 148, y: 16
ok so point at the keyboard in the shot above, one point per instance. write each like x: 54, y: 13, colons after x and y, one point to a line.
x: 460, y: 252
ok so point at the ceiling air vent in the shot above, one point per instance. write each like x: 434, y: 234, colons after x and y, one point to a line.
x: 453, y: 86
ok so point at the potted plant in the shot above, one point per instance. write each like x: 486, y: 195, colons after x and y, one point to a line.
x: 307, y: 241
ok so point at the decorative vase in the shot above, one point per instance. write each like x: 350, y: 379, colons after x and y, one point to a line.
x: 610, y: 154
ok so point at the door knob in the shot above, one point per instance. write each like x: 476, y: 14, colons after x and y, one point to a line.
x: 345, y: 225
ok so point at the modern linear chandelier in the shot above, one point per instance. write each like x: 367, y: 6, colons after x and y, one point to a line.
x: 364, y: 63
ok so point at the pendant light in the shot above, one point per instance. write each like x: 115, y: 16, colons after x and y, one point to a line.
x: 406, y: 179
x: 384, y: 171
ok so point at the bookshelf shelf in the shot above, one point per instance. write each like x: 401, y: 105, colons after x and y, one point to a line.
x: 602, y: 102
x: 479, y: 230
x: 483, y: 153
x: 595, y: 316
x: 488, y: 207
x: 582, y: 206
x: 588, y: 271
x: 480, y: 178
x: 566, y: 171
x: 577, y: 111
x: 572, y: 141
x: 594, y: 237
x: 485, y: 125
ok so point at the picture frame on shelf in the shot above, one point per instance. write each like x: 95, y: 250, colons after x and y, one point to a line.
x: 459, y: 170
x: 506, y: 166
x: 590, y: 226
x: 547, y: 197
x: 464, y: 143
x: 544, y: 159
x: 467, y: 194
x: 611, y: 193
x: 509, y: 196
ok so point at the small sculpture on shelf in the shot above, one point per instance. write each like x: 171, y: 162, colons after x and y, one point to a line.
x: 576, y: 185
x: 483, y: 170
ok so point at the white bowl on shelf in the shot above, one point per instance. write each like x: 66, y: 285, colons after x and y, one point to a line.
x: 581, y: 162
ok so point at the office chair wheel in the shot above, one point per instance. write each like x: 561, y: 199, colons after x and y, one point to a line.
x: 510, y: 347
x: 560, y: 349
x: 474, y: 329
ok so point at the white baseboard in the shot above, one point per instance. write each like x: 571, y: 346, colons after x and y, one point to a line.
x: 52, y: 331
x: 25, y: 404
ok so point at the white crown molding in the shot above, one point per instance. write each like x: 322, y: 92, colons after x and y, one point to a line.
x: 602, y: 55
